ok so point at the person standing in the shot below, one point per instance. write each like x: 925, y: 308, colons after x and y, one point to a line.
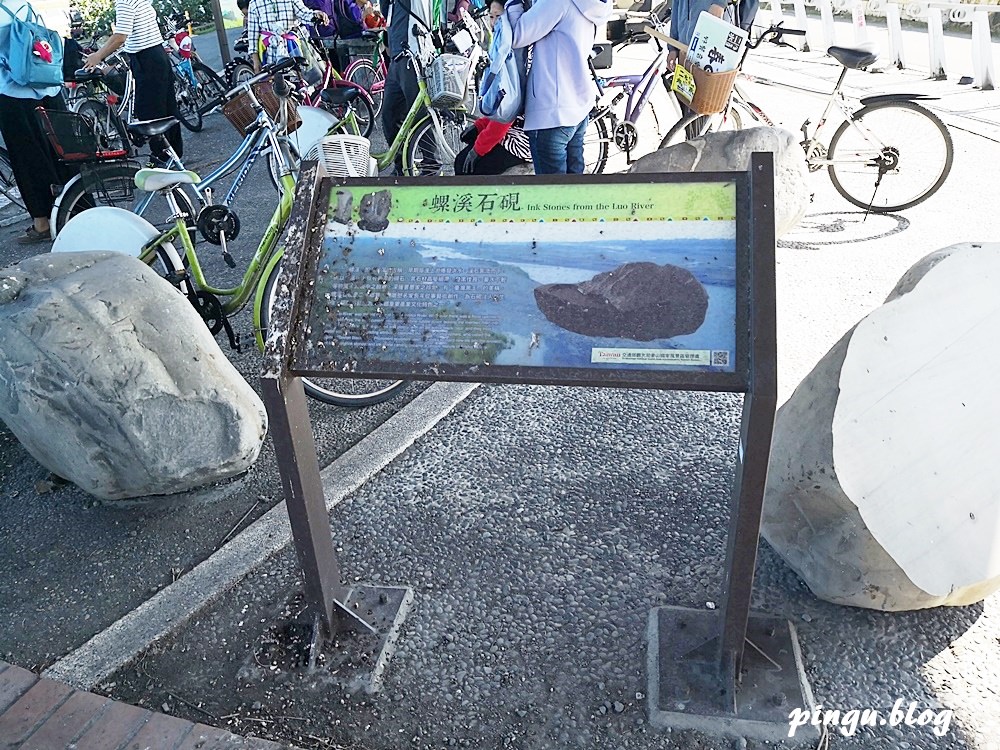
x: 31, y: 157
x: 561, y: 90
x: 401, y: 87
x: 269, y: 24
x: 138, y: 33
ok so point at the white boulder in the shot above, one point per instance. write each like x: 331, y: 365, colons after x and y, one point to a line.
x: 110, y: 379
x: 884, y: 485
x: 730, y: 151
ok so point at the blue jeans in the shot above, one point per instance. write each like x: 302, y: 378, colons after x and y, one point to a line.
x: 558, y: 150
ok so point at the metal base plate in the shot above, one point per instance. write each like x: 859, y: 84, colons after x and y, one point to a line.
x: 687, y: 691
x: 354, y: 659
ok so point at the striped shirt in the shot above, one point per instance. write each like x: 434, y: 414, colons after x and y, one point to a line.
x: 136, y: 19
x: 275, y: 17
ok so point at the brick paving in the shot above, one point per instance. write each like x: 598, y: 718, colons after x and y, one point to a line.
x: 42, y: 714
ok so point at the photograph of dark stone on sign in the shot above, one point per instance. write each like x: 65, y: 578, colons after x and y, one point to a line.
x: 633, y: 275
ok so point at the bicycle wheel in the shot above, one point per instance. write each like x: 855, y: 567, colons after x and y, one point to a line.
x: 360, y: 107
x: 187, y: 104
x: 117, y: 179
x: 425, y: 155
x: 107, y: 123
x: 595, y: 146
x: 335, y: 391
x: 364, y: 73
x: 210, y: 83
x: 8, y: 185
x: 890, y: 156
x: 240, y: 72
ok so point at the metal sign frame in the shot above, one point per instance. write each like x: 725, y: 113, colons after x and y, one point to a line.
x: 723, y: 634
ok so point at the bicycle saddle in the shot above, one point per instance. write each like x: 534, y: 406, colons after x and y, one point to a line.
x: 854, y: 57
x: 336, y: 95
x: 85, y: 76
x: 149, y: 128
x: 152, y: 179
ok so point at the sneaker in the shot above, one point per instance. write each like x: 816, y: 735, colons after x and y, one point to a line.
x: 32, y: 236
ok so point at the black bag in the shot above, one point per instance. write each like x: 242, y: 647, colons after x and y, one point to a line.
x: 347, y: 26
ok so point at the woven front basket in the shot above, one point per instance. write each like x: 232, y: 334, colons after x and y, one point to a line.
x: 242, y: 114
x: 711, y: 89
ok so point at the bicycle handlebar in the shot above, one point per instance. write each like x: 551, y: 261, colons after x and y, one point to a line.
x: 776, y: 30
x: 266, y: 71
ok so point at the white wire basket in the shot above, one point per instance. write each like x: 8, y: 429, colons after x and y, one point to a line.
x: 342, y: 156
x: 447, y: 79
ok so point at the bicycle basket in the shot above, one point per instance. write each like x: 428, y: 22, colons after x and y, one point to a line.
x: 711, y: 89
x: 114, y: 184
x: 447, y: 79
x: 75, y: 138
x: 242, y: 114
x: 341, y: 155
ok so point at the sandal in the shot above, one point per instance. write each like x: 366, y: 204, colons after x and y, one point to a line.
x: 32, y: 235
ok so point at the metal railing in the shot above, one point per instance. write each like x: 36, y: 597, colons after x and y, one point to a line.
x: 894, y: 11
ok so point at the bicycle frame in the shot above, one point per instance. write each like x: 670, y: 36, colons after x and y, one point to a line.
x: 254, y: 144
x: 638, y: 88
x: 263, y: 259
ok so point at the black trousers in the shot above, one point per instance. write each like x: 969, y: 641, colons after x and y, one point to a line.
x: 154, y: 93
x: 401, y: 90
x: 32, y: 159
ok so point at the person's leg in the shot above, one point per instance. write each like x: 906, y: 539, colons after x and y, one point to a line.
x: 549, y: 149
x: 575, y: 163
x: 398, y: 95
x: 31, y: 158
x: 154, y: 94
x: 497, y: 161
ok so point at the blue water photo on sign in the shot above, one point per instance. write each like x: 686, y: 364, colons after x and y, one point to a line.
x: 643, y: 294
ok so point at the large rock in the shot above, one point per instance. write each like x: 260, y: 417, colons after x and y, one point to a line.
x: 110, y: 379
x: 730, y: 151
x: 639, y: 301
x: 884, y: 486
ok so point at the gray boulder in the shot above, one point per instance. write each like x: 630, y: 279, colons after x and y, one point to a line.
x: 110, y: 379
x: 730, y: 151
x: 883, y: 489
x: 638, y: 301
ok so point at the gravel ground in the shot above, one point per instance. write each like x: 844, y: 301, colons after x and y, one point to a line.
x: 536, y: 553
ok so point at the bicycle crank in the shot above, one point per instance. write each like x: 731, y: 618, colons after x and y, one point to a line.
x: 626, y: 136
x: 210, y: 310
x: 815, y: 152
x: 214, y: 221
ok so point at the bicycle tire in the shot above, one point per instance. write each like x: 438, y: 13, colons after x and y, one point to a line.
x: 240, y: 73
x: 365, y: 73
x: 595, y: 146
x: 424, y: 156
x: 676, y: 129
x: 76, y: 198
x: 211, y: 83
x: 360, y: 107
x: 8, y: 185
x: 855, y: 179
x: 108, y: 123
x: 187, y: 105
x: 332, y: 391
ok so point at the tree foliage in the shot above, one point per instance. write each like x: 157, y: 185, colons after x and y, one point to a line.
x: 99, y: 15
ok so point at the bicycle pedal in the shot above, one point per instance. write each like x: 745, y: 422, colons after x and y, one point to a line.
x: 229, y: 259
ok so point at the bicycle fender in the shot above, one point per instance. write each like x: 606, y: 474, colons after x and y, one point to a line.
x: 258, y: 298
x: 897, y: 98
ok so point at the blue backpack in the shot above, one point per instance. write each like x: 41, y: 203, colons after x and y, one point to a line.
x: 35, y: 54
x: 502, y: 90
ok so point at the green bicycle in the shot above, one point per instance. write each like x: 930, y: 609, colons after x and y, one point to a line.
x: 107, y: 226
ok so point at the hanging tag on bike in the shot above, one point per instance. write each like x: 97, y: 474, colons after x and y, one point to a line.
x: 683, y: 84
